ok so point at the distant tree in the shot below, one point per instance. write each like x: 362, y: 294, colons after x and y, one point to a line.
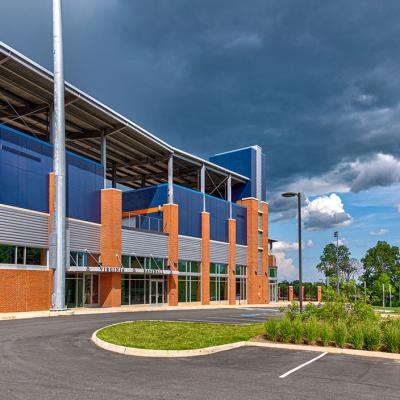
x: 330, y: 256
x: 381, y: 259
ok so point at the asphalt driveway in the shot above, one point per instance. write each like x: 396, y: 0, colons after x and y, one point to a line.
x: 53, y: 358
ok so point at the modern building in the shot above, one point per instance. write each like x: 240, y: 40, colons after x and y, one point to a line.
x: 147, y: 223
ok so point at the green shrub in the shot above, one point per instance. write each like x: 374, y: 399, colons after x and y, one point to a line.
x: 285, y: 330
x: 325, y: 333
x: 372, y: 336
x: 340, y: 333
x: 311, y: 330
x: 272, y: 329
x: 297, y: 330
x: 356, y: 336
x: 391, y: 336
x: 360, y: 312
x: 293, y: 310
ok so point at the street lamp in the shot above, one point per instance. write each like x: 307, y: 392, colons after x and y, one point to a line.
x: 336, y: 235
x: 294, y: 194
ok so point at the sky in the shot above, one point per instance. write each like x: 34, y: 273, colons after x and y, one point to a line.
x: 316, y: 84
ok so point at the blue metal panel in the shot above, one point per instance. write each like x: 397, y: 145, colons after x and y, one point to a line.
x: 190, y: 207
x: 84, y: 184
x: 140, y: 199
x: 219, y: 215
x: 240, y: 214
x: 242, y: 161
x: 25, y: 164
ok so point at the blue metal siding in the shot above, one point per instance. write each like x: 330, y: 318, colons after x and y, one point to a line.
x: 140, y: 199
x: 240, y: 214
x: 190, y: 207
x: 242, y: 161
x: 25, y: 164
x: 219, y: 215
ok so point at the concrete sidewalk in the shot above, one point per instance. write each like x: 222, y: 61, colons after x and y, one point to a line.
x: 131, y: 309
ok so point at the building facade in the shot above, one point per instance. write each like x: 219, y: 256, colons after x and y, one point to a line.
x: 146, y: 222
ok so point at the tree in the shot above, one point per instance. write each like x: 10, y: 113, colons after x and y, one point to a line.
x: 330, y: 256
x: 381, y: 259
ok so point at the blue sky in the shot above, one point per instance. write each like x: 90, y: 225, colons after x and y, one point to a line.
x: 316, y: 84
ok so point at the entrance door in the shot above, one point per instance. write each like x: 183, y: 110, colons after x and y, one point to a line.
x: 156, y: 291
x: 91, y: 290
x: 273, y: 292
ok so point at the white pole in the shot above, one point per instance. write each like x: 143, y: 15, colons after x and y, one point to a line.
x: 383, y: 295
x: 390, y: 296
x: 59, y: 161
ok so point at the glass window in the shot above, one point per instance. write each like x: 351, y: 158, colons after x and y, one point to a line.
x: 126, y: 261
x: 213, y: 268
x: 182, y: 265
x: 182, y: 288
x: 34, y: 256
x: 7, y: 254
x: 272, y: 272
x: 194, y: 266
x: 137, y: 262
x: 20, y: 255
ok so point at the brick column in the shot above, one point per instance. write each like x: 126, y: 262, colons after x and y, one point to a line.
x: 232, y: 261
x: 302, y: 292
x: 290, y: 294
x: 111, y: 246
x: 170, y: 225
x: 319, y: 294
x: 254, y: 284
x: 265, y: 258
x: 205, y: 257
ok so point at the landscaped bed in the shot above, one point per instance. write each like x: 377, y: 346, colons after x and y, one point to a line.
x: 161, y: 335
x: 353, y: 325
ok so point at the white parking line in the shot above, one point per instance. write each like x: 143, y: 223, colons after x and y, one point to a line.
x: 302, y: 365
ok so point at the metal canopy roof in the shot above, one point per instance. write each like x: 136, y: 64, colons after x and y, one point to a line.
x: 26, y: 97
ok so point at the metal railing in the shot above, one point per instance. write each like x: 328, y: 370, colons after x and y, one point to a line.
x: 143, y: 222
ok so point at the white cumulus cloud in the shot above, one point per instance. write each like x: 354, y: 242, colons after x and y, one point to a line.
x: 286, y: 268
x: 325, y: 212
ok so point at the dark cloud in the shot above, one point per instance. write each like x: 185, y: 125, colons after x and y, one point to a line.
x: 315, y: 83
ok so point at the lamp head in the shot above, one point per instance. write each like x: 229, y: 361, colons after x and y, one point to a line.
x: 289, y: 194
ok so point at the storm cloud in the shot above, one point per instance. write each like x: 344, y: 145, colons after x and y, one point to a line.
x: 316, y: 84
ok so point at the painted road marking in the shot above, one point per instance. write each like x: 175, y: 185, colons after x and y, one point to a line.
x: 302, y: 365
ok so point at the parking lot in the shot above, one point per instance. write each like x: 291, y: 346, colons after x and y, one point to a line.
x: 53, y: 358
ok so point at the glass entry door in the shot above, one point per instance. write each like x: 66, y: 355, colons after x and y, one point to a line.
x: 156, y: 291
x: 91, y: 290
x: 273, y: 292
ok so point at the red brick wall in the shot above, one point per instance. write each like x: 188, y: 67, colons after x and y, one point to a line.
x: 265, y: 259
x: 25, y: 290
x: 232, y: 261
x: 254, y: 282
x: 170, y: 225
x: 205, y: 258
x: 111, y: 246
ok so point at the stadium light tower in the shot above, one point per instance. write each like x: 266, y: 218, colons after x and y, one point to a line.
x: 59, y: 225
x: 294, y: 194
x: 336, y: 235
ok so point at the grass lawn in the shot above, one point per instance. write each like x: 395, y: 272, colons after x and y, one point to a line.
x: 161, y: 335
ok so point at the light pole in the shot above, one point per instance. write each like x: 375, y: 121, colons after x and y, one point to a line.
x: 336, y: 235
x: 294, y: 194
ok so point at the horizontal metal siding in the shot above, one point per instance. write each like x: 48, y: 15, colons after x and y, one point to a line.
x: 144, y: 243
x: 84, y: 235
x: 23, y: 227
x: 241, y: 255
x: 219, y: 252
x: 189, y: 248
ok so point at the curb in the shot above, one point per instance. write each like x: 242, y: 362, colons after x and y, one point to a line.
x: 134, y: 351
